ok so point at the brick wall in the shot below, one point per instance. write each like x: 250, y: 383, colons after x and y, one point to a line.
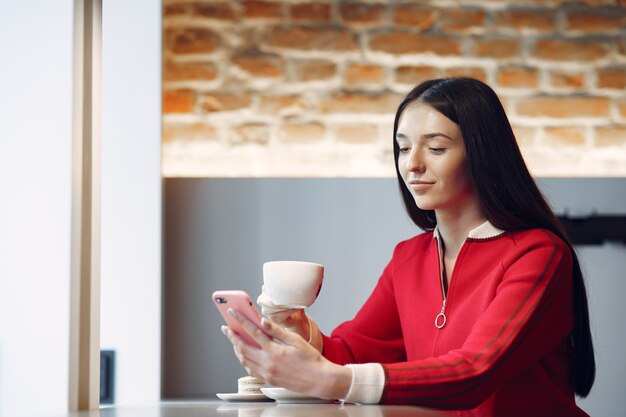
x: 290, y: 88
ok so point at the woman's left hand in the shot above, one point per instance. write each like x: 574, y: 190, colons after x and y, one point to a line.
x: 287, y: 360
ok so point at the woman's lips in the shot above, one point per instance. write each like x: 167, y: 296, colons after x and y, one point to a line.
x: 420, y: 185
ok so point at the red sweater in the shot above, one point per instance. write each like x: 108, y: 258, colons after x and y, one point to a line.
x: 505, y: 348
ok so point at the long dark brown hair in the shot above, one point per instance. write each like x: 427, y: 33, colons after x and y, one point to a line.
x: 509, y: 197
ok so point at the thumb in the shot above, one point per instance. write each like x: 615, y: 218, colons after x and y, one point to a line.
x: 278, y: 333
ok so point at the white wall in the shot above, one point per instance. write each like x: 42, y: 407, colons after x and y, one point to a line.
x: 131, y: 196
x: 35, y: 197
x: 35, y: 201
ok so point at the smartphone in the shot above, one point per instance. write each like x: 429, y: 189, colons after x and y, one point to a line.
x: 240, y: 301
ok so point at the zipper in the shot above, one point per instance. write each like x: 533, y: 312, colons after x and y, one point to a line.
x: 440, y: 319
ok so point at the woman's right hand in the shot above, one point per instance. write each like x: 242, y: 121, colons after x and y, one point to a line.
x: 292, y: 319
x: 285, y: 360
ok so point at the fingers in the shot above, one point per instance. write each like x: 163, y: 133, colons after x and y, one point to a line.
x: 280, y: 334
x: 249, y: 327
x: 281, y: 356
x: 244, y: 353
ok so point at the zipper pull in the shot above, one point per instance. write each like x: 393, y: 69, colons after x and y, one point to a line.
x: 441, y: 319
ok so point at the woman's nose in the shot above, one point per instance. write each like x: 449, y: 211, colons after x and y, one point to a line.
x: 415, y: 161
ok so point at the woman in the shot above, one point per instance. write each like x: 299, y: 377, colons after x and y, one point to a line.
x: 485, y: 312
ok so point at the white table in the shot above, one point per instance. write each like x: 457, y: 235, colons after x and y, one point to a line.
x: 260, y: 409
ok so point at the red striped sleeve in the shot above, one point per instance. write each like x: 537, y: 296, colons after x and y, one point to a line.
x: 530, y: 315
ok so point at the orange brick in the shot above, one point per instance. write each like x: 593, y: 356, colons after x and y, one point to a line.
x: 172, y: 10
x: 364, y: 74
x: 313, y: 12
x: 565, y: 2
x: 621, y: 107
x: 178, y: 101
x: 599, y: 2
x: 591, y: 21
x: 415, y: 74
x: 612, y: 78
x: 472, y: 72
x: 218, y: 102
x: 414, y: 16
x: 517, y: 77
x: 567, y: 136
x: 312, y: 38
x: 496, y: 47
x: 218, y: 11
x: 361, y: 13
x: 524, y: 135
x: 191, y: 41
x: 542, y: 21
x: 189, y: 72
x: 567, y: 79
x: 357, y: 134
x: 412, y: 43
x: 314, y: 70
x: 186, y: 133
x: 260, y: 65
x: 361, y: 103
x: 611, y: 136
x: 302, y: 132
x: 570, y: 50
x: 507, y: 103
x: 564, y: 107
x: 262, y: 9
x: 461, y: 20
x: 283, y: 105
x: 250, y: 133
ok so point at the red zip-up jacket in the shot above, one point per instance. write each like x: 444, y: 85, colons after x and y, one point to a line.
x: 505, y: 348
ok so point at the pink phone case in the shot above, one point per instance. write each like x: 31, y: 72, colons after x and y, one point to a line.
x: 240, y: 301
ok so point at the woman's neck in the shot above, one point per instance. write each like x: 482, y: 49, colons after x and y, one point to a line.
x: 455, y: 225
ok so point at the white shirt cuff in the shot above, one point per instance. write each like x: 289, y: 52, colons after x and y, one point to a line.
x: 368, y: 383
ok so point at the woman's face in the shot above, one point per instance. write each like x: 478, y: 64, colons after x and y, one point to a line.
x: 432, y: 159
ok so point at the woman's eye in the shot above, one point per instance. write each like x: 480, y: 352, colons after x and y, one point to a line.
x: 404, y: 149
x: 437, y: 150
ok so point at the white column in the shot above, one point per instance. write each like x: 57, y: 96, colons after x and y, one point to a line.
x: 84, y: 391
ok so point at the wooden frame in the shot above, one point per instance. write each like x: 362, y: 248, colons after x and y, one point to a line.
x: 84, y: 385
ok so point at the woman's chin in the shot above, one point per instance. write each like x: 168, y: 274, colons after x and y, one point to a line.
x: 423, y: 203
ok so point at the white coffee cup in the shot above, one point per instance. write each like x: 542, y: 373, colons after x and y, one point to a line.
x: 293, y: 284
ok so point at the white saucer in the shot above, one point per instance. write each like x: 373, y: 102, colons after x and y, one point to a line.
x: 235, y: 396
x: 283, y: 395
